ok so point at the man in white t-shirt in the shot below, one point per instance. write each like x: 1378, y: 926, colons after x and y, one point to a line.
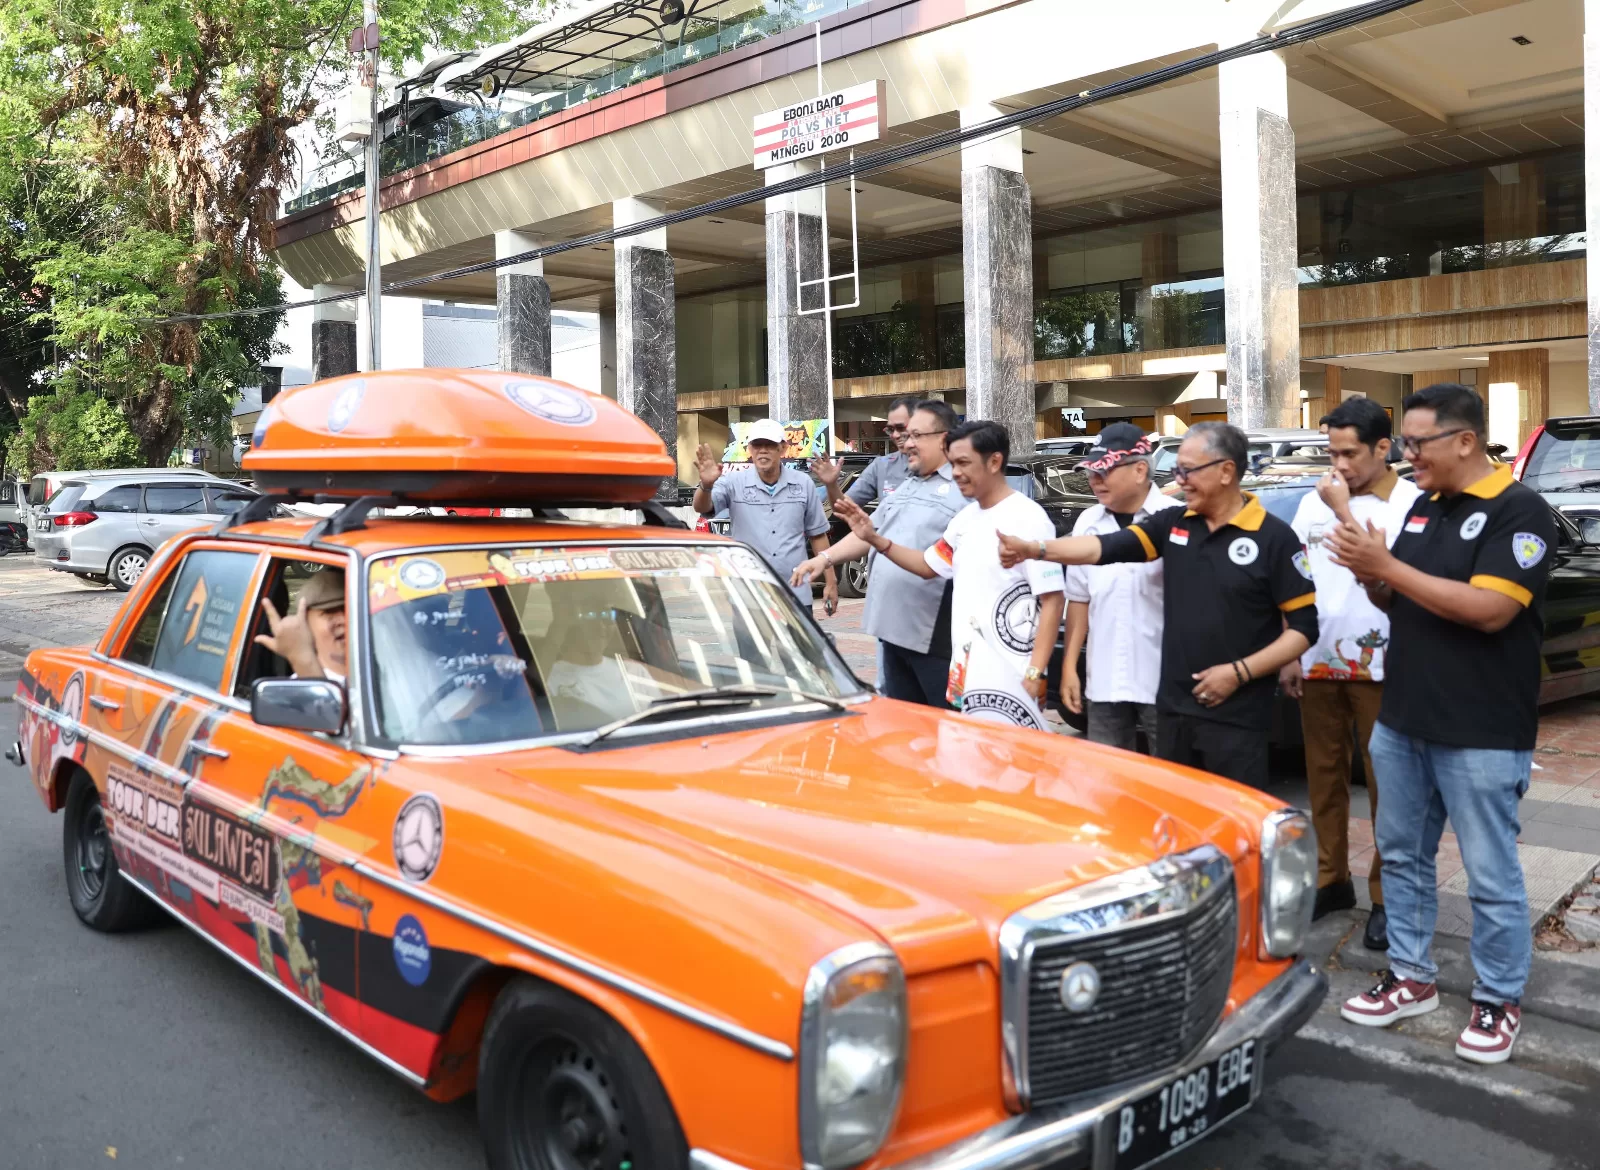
x: 1003, y: 622
x: 1117, y: 608
x: 1339, y: 681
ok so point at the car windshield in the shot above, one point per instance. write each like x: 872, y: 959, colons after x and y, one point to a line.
x: 1062, y: 479
x: 1280, y: 498
x: 494, y: 644
x: 1565, y: 460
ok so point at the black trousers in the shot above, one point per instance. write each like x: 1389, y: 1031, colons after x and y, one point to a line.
x: 1239, y: 753
x: 913, y: 676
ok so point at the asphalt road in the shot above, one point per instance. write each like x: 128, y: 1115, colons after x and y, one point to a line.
x: 154, y: 1051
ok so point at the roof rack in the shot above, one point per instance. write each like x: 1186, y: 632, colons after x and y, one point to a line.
x: 355, y: 511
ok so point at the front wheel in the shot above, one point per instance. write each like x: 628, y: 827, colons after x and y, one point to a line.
x: 853, y: 578
x: 101, y: 897
x: 561, y: 1086
x: 127, y: 567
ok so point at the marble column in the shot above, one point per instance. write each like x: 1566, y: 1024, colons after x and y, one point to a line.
x: 333, y: 334
x: 997, y: 275
x: 522, y: 307
x: 1591, y: 190
x: 1259, y: 243
x: 798, y: 382
x: 647, y: 343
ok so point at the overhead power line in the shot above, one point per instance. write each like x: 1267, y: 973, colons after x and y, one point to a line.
x: 865, y: 166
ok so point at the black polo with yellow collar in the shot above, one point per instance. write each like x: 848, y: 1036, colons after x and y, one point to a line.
x: 1227, y: 595
x: 1447, y: 682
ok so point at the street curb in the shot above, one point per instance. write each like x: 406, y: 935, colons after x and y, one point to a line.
x: 1557, y: 989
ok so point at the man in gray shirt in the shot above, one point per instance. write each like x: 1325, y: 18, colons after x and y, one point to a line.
x: 885, y: 473
x: 772, y: 508
x: 908, y: 614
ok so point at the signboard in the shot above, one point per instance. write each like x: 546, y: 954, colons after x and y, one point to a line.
x: 1072, y: 416
x: 830, y: 121
x: 805, y: 439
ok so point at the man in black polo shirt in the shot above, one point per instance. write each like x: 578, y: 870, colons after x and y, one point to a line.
x: 1238, y: 605
x: 1464, y: 587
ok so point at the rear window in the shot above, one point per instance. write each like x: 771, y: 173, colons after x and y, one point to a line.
x: 38, y: 490
x: 1565, y: 460
x: 66, y: 500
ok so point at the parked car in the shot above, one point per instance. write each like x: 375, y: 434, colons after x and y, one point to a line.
x: 45, y: 484
x: 104, y: 528
x: 1264, y: 444
x: 611, y: 835
x: 1561, y: 461
x: 1078, y: 445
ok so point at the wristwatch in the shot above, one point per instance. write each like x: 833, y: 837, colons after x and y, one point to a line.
x: 1033, y: 674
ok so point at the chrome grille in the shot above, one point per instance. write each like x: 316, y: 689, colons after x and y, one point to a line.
x: 1162, y: 987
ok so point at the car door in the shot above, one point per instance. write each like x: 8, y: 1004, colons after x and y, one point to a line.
x: 1571, y: 647
x: 171, y: 508
x: 300, y: 918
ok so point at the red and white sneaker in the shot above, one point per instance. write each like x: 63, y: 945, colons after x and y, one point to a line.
x: 1490, y: 1033
x: 1391, y: 1000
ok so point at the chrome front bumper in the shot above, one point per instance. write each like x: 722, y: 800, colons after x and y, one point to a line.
x: 1062, y: 1137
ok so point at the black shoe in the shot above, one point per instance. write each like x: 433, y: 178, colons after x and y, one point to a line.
x: 1334, y: 896
x: 1377, y: 936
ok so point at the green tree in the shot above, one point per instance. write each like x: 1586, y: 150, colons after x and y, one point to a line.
x: 169, y: 124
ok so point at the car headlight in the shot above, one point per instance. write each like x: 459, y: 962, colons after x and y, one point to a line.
x: 852, y: 1055
x: 1288, y: 882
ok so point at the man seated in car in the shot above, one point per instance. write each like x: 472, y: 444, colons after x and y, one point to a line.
x: 312, y: 638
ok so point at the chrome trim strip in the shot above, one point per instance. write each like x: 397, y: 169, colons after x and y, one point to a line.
x: 622, y: 983
x: 387, y: 1062
x: 725, y: 1028
x: 706, y: 1160
x: 1168, y: 887
x: 176, y: 682
x: 817, y: 980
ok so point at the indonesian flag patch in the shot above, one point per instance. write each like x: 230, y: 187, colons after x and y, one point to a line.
x: 1179, y: 536
x: 1416, y: 523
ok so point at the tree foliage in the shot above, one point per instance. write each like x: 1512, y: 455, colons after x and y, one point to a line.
x: 144, y: 146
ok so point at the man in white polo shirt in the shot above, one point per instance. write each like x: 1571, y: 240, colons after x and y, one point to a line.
x: 1116, y: 607
x: 1339, y: 681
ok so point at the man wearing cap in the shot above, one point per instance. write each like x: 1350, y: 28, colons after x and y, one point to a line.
x: 772, y: 508
x: 312, y: 638
x: 1117, y: 608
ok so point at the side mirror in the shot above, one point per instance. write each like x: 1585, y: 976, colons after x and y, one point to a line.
x: 300, y: 704
x: 1589, y: 529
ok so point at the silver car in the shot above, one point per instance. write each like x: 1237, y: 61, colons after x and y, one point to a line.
x: 103, y: 529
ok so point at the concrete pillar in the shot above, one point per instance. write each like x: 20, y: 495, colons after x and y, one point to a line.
x: 1519, y: 394
x: 608, y: 348
x: 798, y: 381
x: 997, y: 272
x: 333, y: 334
x: 647, y: 344
x: 1259, y: 246
x: 1591, y: 176
x: 522, y: 307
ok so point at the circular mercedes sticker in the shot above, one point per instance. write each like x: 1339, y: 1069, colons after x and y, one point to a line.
x: 345, y: 405
x: 422, y: 574
x: 72, y: 708
x: 418, y: 837
x: 554, y: 404
x: 1016, y: 617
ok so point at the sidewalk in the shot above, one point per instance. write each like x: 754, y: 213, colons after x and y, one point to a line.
x: 1560, y: 841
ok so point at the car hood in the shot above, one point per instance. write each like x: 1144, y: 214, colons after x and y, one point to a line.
x: 930, y: 828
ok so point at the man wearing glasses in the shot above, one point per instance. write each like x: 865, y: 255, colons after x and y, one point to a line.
x: 1464, y: 589
x: 1116, y: 608
x: 908, y: 614
x: 883, y: 475
x: 1238, y: 605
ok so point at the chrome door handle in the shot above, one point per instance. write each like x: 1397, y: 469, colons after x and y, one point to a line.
x: 206, y: 749
x: 100, y: 704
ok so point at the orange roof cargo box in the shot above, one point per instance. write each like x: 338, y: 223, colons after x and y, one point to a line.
x: 455, y: 436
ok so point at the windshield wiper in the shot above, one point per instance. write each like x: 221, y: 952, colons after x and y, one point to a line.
x: 729, y: 696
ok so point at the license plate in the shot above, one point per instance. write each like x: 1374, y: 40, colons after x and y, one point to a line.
x: 44, y: 525
x: 1186, y: 1108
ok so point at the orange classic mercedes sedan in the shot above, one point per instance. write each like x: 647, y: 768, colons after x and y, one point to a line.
x: 587, y: 816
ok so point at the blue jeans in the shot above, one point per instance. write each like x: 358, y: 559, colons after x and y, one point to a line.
x: 1478, y: 789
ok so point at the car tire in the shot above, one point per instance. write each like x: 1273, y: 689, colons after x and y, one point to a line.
x: 101, y: 897
x: 127, y: 567
x: 562, y: 1086
x: 853, y: 578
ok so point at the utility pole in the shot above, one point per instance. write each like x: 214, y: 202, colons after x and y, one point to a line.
x: 365, y: 43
